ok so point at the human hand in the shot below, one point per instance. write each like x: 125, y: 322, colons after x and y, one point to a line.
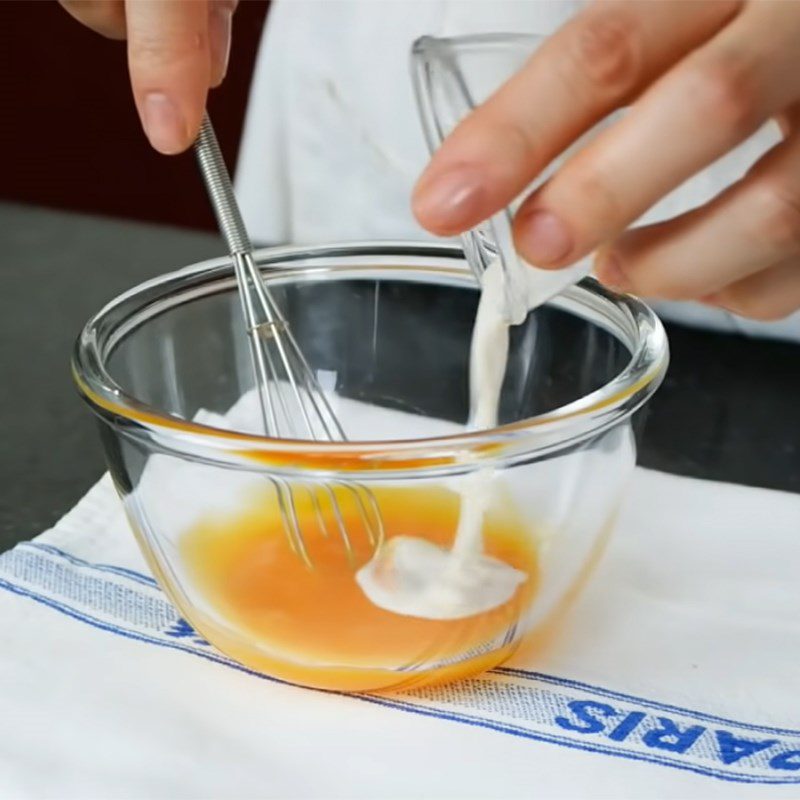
x: 698, y: 77
x: 177, y: 50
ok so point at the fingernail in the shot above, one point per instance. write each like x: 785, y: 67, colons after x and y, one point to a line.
x: 608, y: 270
x: 543, y: 238
x: 450, y: 202
x: 219, y: 37
x: 164, y: 124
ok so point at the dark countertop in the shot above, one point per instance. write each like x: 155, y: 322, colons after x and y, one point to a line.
x: 56, y: 269
x: 728, y: 409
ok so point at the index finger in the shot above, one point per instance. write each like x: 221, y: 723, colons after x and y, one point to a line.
x: 594, y: 64
x: 169, y: 63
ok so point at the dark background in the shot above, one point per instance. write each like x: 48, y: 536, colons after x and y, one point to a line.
x: 69, y: 130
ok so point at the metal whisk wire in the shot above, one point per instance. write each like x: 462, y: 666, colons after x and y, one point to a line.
x: 291, y: 400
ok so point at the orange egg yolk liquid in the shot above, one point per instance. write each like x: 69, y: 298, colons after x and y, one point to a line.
x: 313, y: 625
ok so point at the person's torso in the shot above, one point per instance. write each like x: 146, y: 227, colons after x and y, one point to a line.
x: 333, y: 144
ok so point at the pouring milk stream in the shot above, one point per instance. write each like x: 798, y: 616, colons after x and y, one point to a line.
x: 415, y: 577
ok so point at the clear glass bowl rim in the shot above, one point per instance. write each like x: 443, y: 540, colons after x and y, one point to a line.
x: 527, y: 439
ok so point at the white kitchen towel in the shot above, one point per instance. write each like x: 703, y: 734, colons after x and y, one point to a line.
x: 676, y: 675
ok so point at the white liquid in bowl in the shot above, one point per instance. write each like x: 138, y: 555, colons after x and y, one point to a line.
x: 415, y: 577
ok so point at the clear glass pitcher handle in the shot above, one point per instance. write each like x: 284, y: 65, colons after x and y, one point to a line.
x: 451, y: 77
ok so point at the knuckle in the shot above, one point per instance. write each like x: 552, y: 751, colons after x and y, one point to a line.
x: 725, y: 93
x: 157, y: 51
x: 593, y: 188
x: 520, y: 143
x: 607, y: 49
x: 779, y: 217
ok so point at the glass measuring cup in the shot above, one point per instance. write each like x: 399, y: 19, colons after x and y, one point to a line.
x: 452, y: 77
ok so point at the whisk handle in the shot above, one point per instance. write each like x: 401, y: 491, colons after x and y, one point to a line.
x: 220, y: 190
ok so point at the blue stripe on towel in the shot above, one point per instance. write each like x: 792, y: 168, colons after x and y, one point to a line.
x: 520, y: 703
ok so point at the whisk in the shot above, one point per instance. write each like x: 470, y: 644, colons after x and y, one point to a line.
x: 292, y: 402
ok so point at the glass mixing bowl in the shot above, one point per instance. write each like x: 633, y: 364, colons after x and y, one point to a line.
x: 386, y: 328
